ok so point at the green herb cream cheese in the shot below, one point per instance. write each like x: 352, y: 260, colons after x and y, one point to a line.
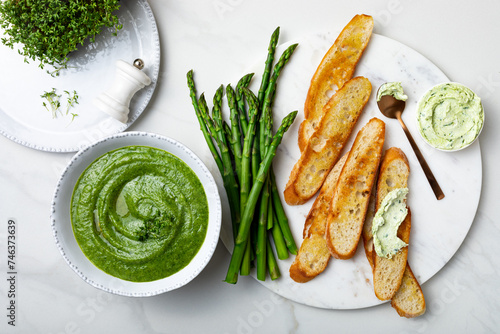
x: 139, y: 213
x: 450, y: 116
x: 392, y: 88
x: 386, y: 222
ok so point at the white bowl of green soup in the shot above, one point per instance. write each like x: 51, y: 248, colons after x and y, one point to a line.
x: 136, y: 214
x: 450, y: 116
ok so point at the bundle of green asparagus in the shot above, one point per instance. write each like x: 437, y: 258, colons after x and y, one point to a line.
x: 243, y: 151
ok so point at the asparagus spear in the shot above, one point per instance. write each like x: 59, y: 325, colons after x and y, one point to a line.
x: 266, y: 126
x: 246, y: 177
x: 266, y: 96
x: 223, y: 160
x: 209, y: 122
x: 262, y: 235
x: 270, y: 211
x: 279, y: 241
x: 281, y: 217
x: 269, y: 64
x: 240, y: 102
x: 203, y: 125
x: 247, y: 259
x: 255, y: 157
x: 269, y: 97
x: 217, y: 117
x: 274, y: 270
x: 236, y: 136
x: 244, y: 227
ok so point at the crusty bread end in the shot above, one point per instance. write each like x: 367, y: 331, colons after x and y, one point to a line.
x: 409, y: 301
x: 311, y: 260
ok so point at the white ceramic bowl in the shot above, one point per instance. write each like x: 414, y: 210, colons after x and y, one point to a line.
x: 418, y: 120
x: 63, y: 231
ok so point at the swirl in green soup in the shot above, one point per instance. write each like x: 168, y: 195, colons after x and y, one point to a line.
x: 139, y: 213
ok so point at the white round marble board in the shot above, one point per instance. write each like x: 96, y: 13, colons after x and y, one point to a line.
x: 90, y: 72
x: 438, y: 227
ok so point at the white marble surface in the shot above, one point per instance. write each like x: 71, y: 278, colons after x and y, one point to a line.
x: 219, y: 39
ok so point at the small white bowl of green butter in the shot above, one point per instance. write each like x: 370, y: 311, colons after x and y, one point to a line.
x: 450, y: 116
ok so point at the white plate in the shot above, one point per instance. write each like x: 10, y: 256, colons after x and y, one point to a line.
x: 63, y: 231
x: 23, y: 118
x: 438, y: 227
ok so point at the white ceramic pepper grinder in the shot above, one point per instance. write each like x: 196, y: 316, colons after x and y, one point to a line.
x: 128, y: 80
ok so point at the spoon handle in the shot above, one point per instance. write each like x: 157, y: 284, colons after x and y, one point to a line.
x: 428, y: 173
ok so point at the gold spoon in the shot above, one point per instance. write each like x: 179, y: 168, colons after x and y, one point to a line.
x: 393, y: 108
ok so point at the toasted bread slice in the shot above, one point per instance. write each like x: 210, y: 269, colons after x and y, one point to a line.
x: 388, y: 273
x: 313, y: 255
x: 352, y: 193
x: 367, y: 234
x: 327, y: 142
x: 336, y: 68
x: 388, y: 182
x: 311, y: 260
x: 409, y: 301
x: 394, y: 173
x: 318, y: 215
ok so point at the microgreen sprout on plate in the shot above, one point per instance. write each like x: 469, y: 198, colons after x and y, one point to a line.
x: 53, y: 102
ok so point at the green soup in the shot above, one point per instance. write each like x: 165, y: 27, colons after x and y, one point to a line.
x: 139, y: 213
